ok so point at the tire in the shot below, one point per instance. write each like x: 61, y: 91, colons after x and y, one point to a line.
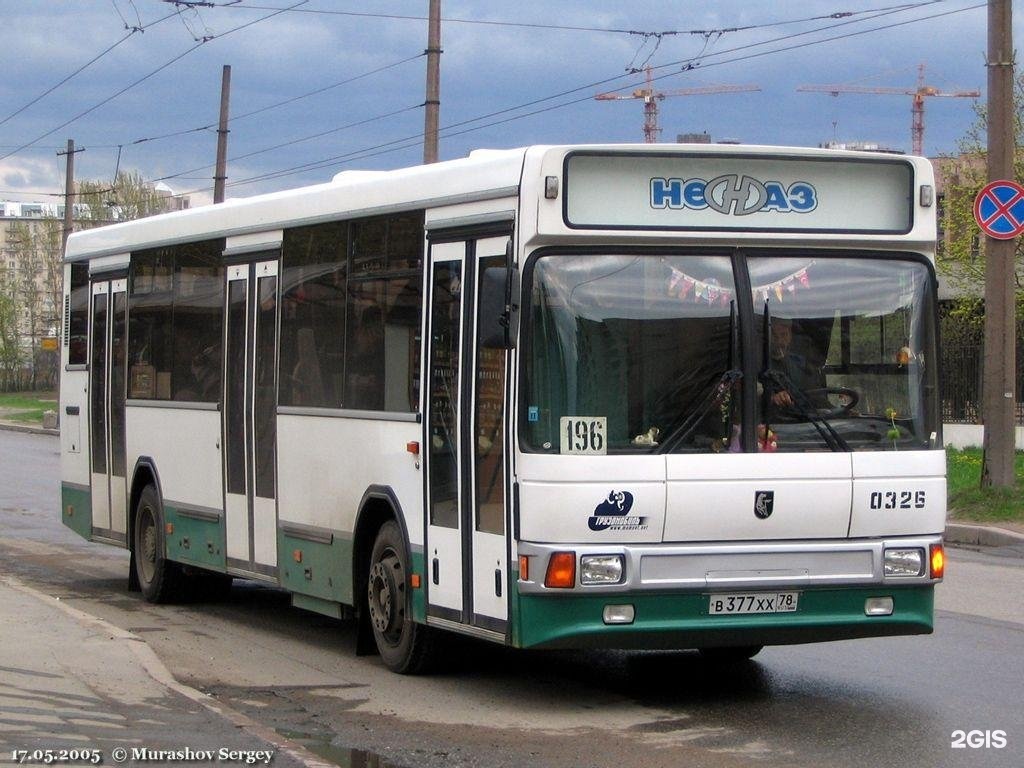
x: 404, y: 646
x: 730, y: 654
x: 160, y: 580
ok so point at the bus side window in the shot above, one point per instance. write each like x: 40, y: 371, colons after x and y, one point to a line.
x: 77, y: 326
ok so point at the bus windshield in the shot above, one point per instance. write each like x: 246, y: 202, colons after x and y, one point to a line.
x: 649, y: 347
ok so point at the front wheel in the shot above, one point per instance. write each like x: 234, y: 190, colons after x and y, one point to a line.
x: 160, y: 580
x: 405, y: 646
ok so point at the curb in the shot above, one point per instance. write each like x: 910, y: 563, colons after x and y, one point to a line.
x: 12, y: 427
x: 159, y: 672
x: 982, y: 535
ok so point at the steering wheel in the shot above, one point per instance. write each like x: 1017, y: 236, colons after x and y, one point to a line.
x: 845, y: 400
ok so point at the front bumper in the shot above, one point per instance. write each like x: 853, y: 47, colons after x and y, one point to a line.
x: 669, y: 586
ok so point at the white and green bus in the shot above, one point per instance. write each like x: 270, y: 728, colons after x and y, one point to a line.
x: 556, y: 397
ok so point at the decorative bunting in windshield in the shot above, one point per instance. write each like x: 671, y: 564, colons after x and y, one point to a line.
x: 709, y: 291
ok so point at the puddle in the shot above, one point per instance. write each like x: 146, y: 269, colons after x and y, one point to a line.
x: 341, y: 756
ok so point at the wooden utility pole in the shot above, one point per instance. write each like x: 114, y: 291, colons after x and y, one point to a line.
x: 999, y: 388
x: 221, y: 174
x: 433, y: 101
x: 69, y: 193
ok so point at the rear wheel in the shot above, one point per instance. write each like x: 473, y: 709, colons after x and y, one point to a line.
x: 404, y: 646
x: 730, y: 654
x: 160, y: 580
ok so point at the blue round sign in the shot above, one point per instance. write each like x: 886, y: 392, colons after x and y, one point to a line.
x: 999, y: 209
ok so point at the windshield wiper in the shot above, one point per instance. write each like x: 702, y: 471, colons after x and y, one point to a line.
x: 714, y: 398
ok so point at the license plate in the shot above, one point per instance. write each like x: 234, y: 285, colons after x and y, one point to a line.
x: 753, y: 602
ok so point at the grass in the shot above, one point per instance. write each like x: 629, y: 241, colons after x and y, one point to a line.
x: 26, y: 407
x: 968, y: 501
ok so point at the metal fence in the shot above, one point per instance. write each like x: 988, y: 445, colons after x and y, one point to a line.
x: 961, y: 369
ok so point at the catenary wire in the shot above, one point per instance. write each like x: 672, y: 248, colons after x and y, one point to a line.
x: 142, y: 79
x: 448, y: 132
x: 97, y: 57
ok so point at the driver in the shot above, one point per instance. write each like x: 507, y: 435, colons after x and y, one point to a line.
x: 797, y: 373
x: 789, y: 363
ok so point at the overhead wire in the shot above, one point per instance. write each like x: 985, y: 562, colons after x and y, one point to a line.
x: 448, y: 132
x: 131, y: 32
x: 569, y: 28
x: 142, y: 79
x: 291, y: 100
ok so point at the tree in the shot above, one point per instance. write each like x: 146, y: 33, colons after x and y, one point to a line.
x: 11, y: 354
x: 960, y: 253
x: 129, y: 197
x: 38, y: 293
x: 31, y: 298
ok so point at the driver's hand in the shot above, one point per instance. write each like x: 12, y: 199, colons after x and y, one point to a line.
x: 782, y: 399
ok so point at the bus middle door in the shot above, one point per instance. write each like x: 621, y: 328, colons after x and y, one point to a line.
x: 250, y: 418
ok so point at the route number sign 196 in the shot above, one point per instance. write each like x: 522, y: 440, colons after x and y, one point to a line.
x: 583, y: 435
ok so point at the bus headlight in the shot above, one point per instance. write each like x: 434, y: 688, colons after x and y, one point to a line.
x: 602, y: 569
x: 904, y: 562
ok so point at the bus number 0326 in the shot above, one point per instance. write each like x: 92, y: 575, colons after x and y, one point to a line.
x: 897, y: 499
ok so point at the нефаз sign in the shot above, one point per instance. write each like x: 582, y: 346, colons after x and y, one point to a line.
x: 749, y: 193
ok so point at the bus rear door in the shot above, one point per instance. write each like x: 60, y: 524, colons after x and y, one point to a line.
x: 107, y: 388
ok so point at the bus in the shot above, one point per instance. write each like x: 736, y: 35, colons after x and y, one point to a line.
x: 603, y: 396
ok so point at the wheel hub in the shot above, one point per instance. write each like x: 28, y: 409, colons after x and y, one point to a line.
x: 380, y: 597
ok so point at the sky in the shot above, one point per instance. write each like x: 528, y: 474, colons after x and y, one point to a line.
x: 331, y: 85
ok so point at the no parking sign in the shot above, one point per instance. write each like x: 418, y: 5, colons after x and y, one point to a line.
x: 999, y: 209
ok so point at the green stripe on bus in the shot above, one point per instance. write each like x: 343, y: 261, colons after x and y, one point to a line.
x: 194, y: 541
x: 682, y: 620
x: 76, y: 509
x: 316, y: 568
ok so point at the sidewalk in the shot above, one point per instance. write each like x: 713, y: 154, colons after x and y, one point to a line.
x: 71, y: 681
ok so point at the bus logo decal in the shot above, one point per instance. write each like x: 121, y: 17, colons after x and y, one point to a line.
x: 613, y: 514
x: 733, y: 195
x: 764, y: 503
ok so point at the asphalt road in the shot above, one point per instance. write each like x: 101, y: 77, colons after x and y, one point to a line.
x: 854, y: 703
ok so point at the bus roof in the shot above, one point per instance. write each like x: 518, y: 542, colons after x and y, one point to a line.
x: 484, y: 174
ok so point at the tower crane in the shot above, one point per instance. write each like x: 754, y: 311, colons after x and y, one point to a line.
x: 917, y: 109
x: 651, y: 98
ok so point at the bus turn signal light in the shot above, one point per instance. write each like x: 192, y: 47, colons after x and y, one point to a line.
x: 938, y: 561
x: 561, y: 571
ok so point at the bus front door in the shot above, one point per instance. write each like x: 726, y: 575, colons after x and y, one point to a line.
x: 466, y: 552
x: 249, y: 418
x: 107, y: 389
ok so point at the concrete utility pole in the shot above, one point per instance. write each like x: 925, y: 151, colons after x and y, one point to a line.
x: 69, y: 193
x: 433, y: 102
x: 1000, y: 344
x: 221, y: 174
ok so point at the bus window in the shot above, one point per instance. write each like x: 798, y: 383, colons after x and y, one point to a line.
x: 642, y: 341
x: 313, y: 296
x: 77, y: 330
x: 351, y: 307
x: 175, y: 323
x: 852, y: 339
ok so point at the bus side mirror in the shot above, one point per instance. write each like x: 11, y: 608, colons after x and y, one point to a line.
x: 499, y: 308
